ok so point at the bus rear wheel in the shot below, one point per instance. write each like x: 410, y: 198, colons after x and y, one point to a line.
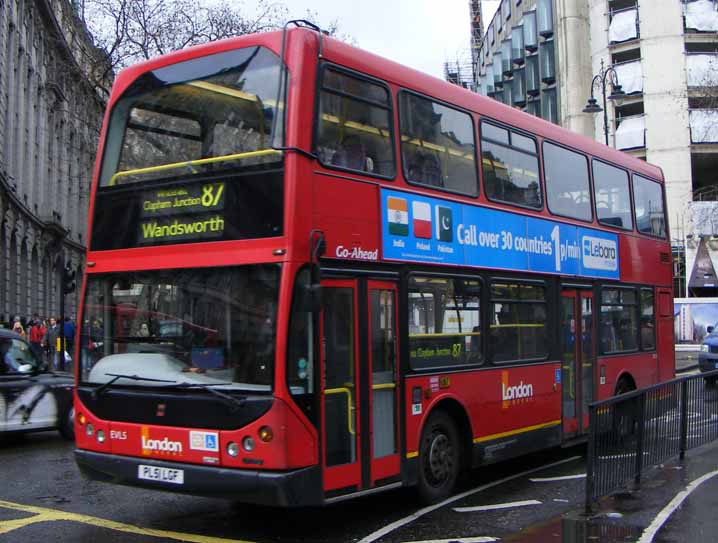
x: 625, y: 421
x: 439, y: 457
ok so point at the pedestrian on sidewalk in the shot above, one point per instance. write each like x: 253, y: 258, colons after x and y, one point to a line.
x: 69, y: 330
x: 37, y: 332
x: 18, y: 329
x: 50, y: 339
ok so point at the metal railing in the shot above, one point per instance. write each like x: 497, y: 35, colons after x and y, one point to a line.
x: 633, y: 432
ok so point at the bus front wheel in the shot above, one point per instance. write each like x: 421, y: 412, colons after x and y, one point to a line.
x: 439, y: 457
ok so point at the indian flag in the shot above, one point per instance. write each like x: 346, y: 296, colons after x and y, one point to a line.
x: 398, y: 216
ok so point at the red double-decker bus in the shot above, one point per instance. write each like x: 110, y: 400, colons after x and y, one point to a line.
x: 345, y: 276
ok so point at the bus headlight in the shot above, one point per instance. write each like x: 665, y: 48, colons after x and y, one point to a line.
x: 248, y: 444
x: 705, y: 348
x: 232, y: 448
x: 100, y: 436
x: 89, y: 429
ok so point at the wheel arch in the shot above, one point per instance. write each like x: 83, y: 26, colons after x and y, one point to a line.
x: 457, y: 412
x: 625, y: 377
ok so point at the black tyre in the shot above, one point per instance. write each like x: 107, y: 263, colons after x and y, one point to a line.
x: 625, y: 419
x: 439, y: 457
x: 66, y: 425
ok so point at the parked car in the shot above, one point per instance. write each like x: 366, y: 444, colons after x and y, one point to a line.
x: 32, y: 398
x: 708, y: 355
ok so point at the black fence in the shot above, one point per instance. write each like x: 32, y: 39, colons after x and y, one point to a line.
x: 631, y: 433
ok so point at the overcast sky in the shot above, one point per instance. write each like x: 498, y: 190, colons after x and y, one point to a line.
x: 422, y: 34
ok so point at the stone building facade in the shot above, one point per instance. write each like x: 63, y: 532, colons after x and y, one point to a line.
x: 50, y: 117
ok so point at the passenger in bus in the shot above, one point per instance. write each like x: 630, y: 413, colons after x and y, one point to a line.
x: 648, y: 334
x: 609, y: 341
x: 532, y: 196
x: 425, y: 168
x: 352, y: 154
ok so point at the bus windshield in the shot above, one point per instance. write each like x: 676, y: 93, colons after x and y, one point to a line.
x: 193, y: 326
x: 188, y: 155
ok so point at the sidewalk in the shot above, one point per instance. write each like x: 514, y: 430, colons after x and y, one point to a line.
x: 675, y: 502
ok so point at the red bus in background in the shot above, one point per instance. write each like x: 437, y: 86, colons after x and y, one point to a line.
x: 403, y: 279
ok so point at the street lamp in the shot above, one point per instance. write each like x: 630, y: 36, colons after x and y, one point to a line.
x: 606, y: 76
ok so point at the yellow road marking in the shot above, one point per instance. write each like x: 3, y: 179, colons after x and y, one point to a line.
x: 42, y: 514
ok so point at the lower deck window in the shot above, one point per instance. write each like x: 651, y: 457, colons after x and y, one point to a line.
x: 619, y: 326
x: 518, y: 322
x: 444, y: 322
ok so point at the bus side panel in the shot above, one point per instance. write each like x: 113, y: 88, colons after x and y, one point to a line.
x: 348, y: 214
x: 665, y: 335
x: 646, y: 261
x: 641, y: 367
x: 507, y: 408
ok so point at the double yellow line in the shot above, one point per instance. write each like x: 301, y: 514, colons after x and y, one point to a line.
x: 42, y: 514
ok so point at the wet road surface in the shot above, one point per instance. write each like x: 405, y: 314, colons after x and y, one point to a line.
x: 535, y: 499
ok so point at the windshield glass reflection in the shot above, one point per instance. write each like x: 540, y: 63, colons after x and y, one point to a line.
x: 198, y: 326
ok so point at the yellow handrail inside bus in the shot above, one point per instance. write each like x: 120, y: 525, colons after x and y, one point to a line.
x: 227, y: 91
x: 355, y: 125
x: 518, y: 325
x: 447, y: 334
x: 191, y: 163
x: 383, y: 386
x: 437, y: 147
x: 350, y: 405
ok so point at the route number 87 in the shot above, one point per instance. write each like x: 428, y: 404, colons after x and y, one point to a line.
x: 211, y: 194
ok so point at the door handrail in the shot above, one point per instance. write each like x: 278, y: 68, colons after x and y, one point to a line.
x: 350, y: 404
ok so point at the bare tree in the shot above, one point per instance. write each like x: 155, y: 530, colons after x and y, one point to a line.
x: 130, y: 31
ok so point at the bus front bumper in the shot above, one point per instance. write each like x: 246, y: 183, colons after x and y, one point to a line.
x: 293, y: 488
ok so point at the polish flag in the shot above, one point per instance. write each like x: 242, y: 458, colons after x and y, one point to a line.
x: 422, y: 219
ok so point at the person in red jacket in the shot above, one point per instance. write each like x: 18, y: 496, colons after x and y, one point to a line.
x: 37, y: 332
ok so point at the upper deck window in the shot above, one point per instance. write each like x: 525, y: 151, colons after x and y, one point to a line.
x: 188, y: 155
x: 437, y: 145
x: 613, y: 198
x: 648, y: 202
x: 354, y: 128
x: 510, y: 165
x: 213, y: 111
x: 567, y: 187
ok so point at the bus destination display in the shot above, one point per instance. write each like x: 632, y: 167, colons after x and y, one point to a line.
x: 422, y: 229
x: 182, y: 213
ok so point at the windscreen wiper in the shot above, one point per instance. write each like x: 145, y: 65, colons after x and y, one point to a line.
x: 116, y: 376
x: 236, y: 403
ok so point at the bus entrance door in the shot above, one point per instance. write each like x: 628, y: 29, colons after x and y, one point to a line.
x: 359, y: 385
x: 578, y: 359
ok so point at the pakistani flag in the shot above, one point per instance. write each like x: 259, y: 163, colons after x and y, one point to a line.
x: 443, y: 224
x: 398, y: 216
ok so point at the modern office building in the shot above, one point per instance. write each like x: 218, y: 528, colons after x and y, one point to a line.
x: 50, y: 116
x: 542, y: 56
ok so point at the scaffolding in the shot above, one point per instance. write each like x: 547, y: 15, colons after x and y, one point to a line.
x: 463, y: 69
